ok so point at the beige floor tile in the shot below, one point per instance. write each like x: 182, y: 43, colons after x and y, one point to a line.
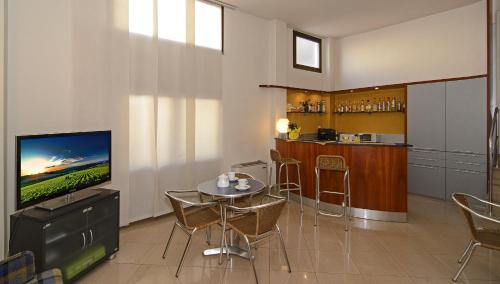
x: 245, y: 276
x: 422, y: 265
x: 152, y: 274
x: 110, y: 273
x: 191, y: 275
x: 327, y: 278
x: 132, y: 253
x: 387, y: 279
x: 283, y: 277
x: 327, y: 262
x: 479, y: 268
x: 300, y: 260
x: 449, y: 281
x: 377, y: 264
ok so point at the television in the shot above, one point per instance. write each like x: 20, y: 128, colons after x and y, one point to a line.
x: 54, y: 165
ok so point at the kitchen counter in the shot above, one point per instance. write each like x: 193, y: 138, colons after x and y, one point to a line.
x: 378, y: 175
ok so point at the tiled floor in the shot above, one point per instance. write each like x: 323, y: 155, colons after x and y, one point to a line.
x: 424, y: 250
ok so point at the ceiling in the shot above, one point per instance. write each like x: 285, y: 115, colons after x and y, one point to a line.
x: 339, y: 18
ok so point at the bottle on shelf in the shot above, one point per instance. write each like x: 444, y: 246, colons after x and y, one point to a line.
x: 393, y: 104
x: 368, y: 107
x: 388, y: 104
x: 355, y: 106
x: 323, y: 106
x: 362, y: 107
x: 398, y: 105
x: 374, y: 106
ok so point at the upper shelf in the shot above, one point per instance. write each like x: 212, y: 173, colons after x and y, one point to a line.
x: 293, y: 88
x: 368, y: 112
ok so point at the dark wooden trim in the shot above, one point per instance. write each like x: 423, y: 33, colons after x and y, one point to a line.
x: 222, y: 28
x: 382, y: 87
x: 292, y: 88
x: 311, y: 38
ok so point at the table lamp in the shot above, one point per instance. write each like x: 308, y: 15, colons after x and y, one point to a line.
x: 282, y: 128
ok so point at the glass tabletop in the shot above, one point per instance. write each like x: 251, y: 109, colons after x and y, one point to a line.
x: 210, y: 188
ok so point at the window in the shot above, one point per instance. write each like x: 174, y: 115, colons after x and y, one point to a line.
x: 172, y: 20
x: 208, y: 25
x: 141, y: 17
x: 306, y: 52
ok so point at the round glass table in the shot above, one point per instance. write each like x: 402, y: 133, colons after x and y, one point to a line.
x: 230, y: 193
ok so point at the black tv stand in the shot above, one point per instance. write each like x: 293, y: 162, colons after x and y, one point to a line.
x: 74, y: 238
x: 67, y: 199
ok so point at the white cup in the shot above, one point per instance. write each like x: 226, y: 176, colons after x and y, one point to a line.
x: 242, y: 182
x: 231, y: 175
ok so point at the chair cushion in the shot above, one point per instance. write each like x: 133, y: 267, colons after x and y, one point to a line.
x: 197, y: 217
x: 53, y: 276
x: 19, y: 268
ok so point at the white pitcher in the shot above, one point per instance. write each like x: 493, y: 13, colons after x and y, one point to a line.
x: 223, y: 181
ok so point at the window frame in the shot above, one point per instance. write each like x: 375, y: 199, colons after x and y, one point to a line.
x: 222, y: 22
x: 297, y: 34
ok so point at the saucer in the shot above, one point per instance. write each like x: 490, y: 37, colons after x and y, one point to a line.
x: 245, y: 187
x: 234, y: 180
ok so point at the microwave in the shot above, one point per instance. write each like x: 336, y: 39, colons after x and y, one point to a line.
x: 369, y: 137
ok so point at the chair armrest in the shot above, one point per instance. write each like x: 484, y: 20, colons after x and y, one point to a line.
x: 191, y: 203
x: 256, y: 207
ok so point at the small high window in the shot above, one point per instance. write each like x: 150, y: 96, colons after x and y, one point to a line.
x: 208, y: 25
x: 306, y: 52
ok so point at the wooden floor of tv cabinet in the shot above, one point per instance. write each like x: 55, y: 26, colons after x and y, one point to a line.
x: 75, y: 238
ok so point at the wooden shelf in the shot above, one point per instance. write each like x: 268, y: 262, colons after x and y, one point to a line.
x: 367, y: 112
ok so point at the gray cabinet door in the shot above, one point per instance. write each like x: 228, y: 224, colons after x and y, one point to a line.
x: 426, y: 116
x: 466, y: 116
x: 465, y: 181
x: 426, y: 180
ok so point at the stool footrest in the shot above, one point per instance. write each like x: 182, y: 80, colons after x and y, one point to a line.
x: 333, y: 192
x: 323, y: 213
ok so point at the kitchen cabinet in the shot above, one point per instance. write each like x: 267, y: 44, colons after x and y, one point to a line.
x: 466, y: 116
x: 447, y: 128
x: 426, y: 118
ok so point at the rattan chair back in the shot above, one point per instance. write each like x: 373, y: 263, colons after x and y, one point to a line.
x: 268, y: 215
x: 331, y: 163
x: 178, y: 208
x: 244, y: 175
x: 275, y: 156
x: 473, y: 217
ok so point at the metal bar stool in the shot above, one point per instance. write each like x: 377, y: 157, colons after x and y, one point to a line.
x: 338, y: 164
x: 289, y: 186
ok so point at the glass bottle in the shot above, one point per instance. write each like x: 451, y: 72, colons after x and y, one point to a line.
x: 393, y: 104
x: 388, y: 104
x: 368, y: 107
x: 398, y: 105
x: 375, y: 106
x: 362, y: 108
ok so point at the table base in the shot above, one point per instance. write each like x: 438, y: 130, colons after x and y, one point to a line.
x: 233, y: 250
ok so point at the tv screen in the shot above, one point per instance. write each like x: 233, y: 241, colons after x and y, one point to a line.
x: 56, y: 164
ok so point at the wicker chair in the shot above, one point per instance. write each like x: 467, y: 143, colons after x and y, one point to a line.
x: 198, y: 216
x: 287, y: 186
x: 482, y: 227
x: 338, y: 164
x: 255, y: 224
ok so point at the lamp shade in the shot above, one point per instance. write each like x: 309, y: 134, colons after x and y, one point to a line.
x: 282, y: 125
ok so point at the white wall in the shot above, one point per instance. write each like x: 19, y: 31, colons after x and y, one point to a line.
x: 246, y: 107
x: 306, y: 79
x: 444, y: 45
x: 68, y: 71
x: 2, y: 136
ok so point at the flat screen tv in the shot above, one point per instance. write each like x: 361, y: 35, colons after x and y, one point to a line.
x: 53, y: 165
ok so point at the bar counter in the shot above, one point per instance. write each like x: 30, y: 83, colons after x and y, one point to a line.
x: 377, y: 174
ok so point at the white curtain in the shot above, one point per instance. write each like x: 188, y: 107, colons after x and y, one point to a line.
x: 174, y: 111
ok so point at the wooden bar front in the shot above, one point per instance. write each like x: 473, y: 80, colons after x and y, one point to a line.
x: 377, y: 173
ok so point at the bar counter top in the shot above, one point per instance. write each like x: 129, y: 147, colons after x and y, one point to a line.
x: 378, y: 175
x: 325, y: 142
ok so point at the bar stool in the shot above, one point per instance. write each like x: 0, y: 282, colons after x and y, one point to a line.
x: 337, y: 164
x: 290, y: 186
